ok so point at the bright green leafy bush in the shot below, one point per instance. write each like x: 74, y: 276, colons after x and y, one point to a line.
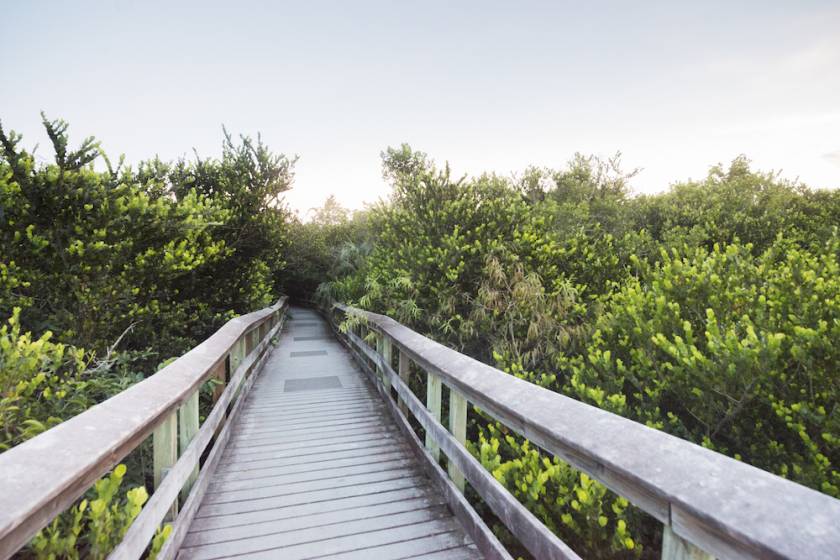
x: 709, y: 311
x: 95, y: 526
x: 114, y: 270
x: 156, y: 257
x: 43, y: 383
x: 565, y: 500
x: 729, y: 349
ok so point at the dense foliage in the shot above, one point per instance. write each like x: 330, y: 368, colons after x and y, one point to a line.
x: 89, y: 254
x: 107, y: 271
x: 94, y: 527
x: 710, y: 311
x: 330, y: 245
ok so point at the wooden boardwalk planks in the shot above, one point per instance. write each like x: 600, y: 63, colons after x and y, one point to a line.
x: 316, y: 469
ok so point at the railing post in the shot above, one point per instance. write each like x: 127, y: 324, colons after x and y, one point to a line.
x: 255, y: 339
x: 221, y: 377
x: 379, y: 346
x: 387, y: 357
x: 433, y: 398
x: 187, y: 428
x: 165, y: 451
x: 248, y: 342
x: 237, y: 355
x: 675, y: 547
x: 405, y: 364
x: 458, y: 427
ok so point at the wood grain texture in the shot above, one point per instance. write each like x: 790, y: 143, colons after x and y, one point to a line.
x: 458, y: 428
x: 723, y: 506
x: 318, y: 472
x: 165, y: 455
x: 434, y: 391
x: 138, y: 535
x: 535, y: 536
x: 46, y: 474
x: 187, y: 430
x: 485, y: 540
x: 188, y: 511
x: 387, y: 356
x: 405, y: 372
x: 677, y: 548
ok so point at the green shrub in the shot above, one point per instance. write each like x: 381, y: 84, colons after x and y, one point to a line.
x: 40, y: 383
x: 592, y: 520
x: 331, y: 244
x: 96, y: 525
x: 737, y: 203
x: 157, y: 257
x: 709, y: 311
x: 114, y: 270
x: 734, y: 351
x: 43, y: 383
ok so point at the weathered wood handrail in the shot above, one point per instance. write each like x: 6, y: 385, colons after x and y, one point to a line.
x: 539, y: 540
x: 709, y: 504
x: 43, y: 476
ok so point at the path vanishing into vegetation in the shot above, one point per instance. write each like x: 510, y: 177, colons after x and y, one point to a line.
x: 312, y: 449
x: 315, y: 468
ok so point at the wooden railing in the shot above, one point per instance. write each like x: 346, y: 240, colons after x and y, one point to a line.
x: 710, y: 505
x: 43, y: 476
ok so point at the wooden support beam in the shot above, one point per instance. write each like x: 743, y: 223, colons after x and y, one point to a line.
x: 216, y: 430
x: 458, y: 428
x: 387, y: 355
x: 404, y: 370
x: 45, y: 475
x: 535, y: 536
x: 433, y: 398
x: 379, y: 347
x: 187, y: 428
x: 220, y: 376
x: 237, y: 354
x: 165, y: 451
x: 675, y: 547
x: 255, y: 339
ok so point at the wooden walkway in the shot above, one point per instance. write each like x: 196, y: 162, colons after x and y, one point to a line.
x: 311, y: 458
x: 316, y: 468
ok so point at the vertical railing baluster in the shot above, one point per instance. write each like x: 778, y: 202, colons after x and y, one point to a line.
x: 187, y: 428
x: 220, y: 376
x: 458, y: 427
x: 165, y: 452
x: 387, y: 357
x: 379, y: 345
x: 675, y: 547
x: 237, y: 354
x: 405, y: 365
x: 433, y: 398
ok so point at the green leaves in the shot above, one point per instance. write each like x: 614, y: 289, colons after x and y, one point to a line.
x: 166, y: 249
x: 709, y: 311
x: 97, y: 524
x: 126, y: 267
x: 41, y: 383
x: 765, y: 358
x: 579, y: 509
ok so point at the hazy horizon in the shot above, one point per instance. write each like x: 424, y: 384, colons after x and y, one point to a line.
x: 488, y: 87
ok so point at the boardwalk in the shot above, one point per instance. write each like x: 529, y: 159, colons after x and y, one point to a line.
x: 317, y: 469
x: 310, y: 459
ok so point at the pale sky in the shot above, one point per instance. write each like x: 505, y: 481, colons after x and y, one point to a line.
x: 488, y: 86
